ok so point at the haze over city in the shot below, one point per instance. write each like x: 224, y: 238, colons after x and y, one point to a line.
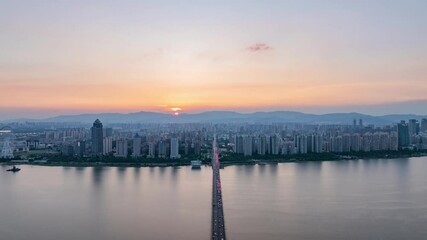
x: 70, y: 57
x: 237, y: 119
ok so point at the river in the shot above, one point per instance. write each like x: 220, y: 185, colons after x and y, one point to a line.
x: 357, y: 199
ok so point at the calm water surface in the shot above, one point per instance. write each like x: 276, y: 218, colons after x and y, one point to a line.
x: 363, y: 199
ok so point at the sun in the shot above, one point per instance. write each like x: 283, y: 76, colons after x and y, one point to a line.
x: 175, y: 111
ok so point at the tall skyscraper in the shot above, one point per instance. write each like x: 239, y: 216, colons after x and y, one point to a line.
x: 97, y: 137
x: 403, y: 134
x: 161, y: 149
x: 274, y: 144
x: 413, y: 126
x: 424, y: 125
x: 136, y: 143
x: 346, y: 143
x: 80, y: 148
x: 174, y: 148
x: 355, y: 142
x: 238, y: 144
x: 108, y: 145
x: 317, y: 144
x: 247, y: 145
x: 394, y: 141
x: 301, y: 144
x: 366, y: 142
x: 376, y: 142
x: 262, y: 145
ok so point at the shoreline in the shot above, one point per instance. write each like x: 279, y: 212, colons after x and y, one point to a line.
x: 225, y: 163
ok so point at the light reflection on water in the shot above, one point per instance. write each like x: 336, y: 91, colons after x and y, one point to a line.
x: 360, y: 199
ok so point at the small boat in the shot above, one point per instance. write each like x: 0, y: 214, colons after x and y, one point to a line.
x: 196, y: 164
x: 14, y: 169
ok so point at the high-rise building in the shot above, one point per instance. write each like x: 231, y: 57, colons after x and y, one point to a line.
x: 136, y: 146
x: 413, y: 126
x: 367, y: 142
x: 97, y: 137
x: 238, y: 144
x: 314, y: 143
x: 424, y: 125
x: 262, y: 145
x: 107, y: 145
x: 174, y: 148
x: 268, y: 144
x: 162, y: 149
x: 394, y: 141
x: 151, y: 150
x: 247, y: 145
x: 301, y: 144
x: 80, y: 148
x: 197, y: 147
x: 403, y: 134
x: 346, y: 142
x: 122, y: 148
x: 355, y: 142
x: 338, y: 144
x: 274, y: 144
x: 385, y: 143
x: 376, y: 142
x: 318, y: 143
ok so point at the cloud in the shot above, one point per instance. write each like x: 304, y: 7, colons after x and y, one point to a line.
x: 259, y: 47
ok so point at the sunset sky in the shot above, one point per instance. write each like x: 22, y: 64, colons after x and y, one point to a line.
x: 61, y: 57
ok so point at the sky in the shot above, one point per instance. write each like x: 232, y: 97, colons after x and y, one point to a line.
x: 67, y: 57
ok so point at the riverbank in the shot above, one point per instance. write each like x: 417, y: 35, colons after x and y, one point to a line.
x: 227, y: 160
x: 266, y: 159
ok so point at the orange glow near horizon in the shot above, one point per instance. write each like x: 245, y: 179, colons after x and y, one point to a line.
x: 207, y: 96
x: 160, y: 59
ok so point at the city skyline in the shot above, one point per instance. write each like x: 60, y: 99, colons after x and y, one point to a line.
x: 340, y: 56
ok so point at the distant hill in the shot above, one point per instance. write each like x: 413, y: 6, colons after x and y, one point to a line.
x: 233, y: 117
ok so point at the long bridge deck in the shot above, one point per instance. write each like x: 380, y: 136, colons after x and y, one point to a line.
x: 218, y: 224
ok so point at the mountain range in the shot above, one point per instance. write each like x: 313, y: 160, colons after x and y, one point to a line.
x: 229, y: 117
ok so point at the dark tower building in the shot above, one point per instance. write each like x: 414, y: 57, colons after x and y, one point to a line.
x: 403, y: 134
x: 97, y: 137
x: 414, y: 127
x: 424, y: 125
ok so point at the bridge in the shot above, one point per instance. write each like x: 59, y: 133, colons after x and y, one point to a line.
x: 218, y: 225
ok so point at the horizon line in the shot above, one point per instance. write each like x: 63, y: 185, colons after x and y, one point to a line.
x: 171, y: 113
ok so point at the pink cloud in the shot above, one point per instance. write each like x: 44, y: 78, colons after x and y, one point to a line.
x: 259, y: 47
